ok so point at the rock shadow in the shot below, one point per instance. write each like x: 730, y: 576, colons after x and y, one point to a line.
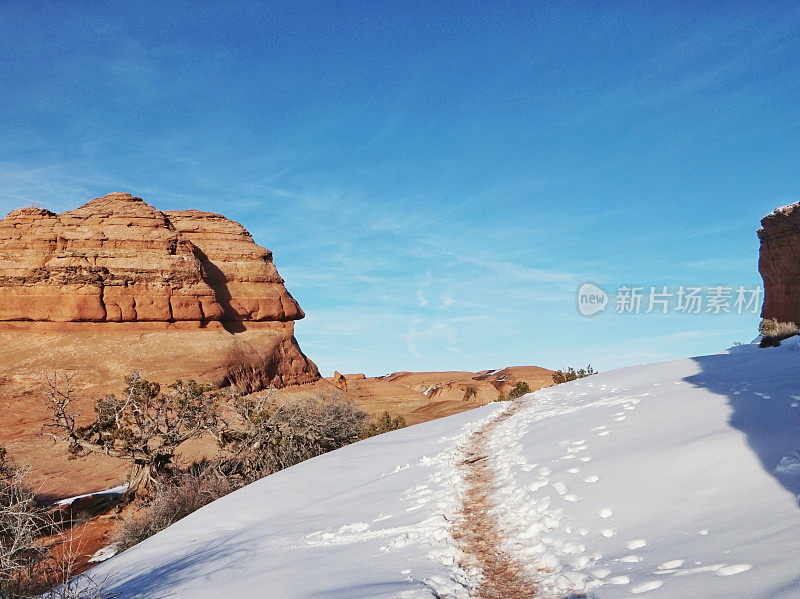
x: 763, y: 390
x: 218, y: 282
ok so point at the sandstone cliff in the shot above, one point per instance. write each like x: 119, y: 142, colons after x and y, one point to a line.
x: 779, y: 263
x: 118, y: 259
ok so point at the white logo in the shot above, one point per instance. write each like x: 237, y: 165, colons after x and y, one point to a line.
x: 591, y: 299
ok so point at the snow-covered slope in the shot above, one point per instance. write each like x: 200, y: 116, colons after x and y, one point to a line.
x: 674, y: 480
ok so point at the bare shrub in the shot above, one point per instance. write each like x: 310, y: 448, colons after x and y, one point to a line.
x: 265, y: 436
x: 143, y: 425
x: 36, y: 557
x: 773, y: 332
x: 22, y: 525
x: 63, y: 582
x: 172, y: 501
x: 470, y: 392
x: 382, y: 424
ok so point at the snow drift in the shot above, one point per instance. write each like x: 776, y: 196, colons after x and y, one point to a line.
x: 671, y: 480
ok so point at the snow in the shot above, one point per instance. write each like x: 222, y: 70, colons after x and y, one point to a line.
x: 103, y: 554
x: 671, y: 480
x: 69, y: 500
x: 783, y: 209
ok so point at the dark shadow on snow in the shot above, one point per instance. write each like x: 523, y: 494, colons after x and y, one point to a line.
x: 162, y: 580
x: 761, y: 385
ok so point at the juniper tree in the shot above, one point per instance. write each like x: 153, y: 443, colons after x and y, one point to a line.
x: 143, y: 425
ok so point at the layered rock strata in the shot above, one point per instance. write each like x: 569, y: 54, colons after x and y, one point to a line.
x: 118, y: 259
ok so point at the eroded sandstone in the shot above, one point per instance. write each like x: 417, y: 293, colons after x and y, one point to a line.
x: 779, y: 263
x: 118, y: 259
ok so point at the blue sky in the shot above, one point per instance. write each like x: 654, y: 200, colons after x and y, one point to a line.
x: 435, y: 179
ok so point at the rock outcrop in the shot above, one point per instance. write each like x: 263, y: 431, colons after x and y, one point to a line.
x: 779, y: 263
x: 118, y: 259
x: 339, y: 381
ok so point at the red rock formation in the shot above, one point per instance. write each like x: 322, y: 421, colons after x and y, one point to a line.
x: 118, y: 259
x: 779, y: 263
x: 339, y: 381
x: 244, y: 279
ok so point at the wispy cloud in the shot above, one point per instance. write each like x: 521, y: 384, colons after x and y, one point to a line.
x: 422, y: 301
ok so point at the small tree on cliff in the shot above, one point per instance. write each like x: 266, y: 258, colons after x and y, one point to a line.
x: 143, y: 425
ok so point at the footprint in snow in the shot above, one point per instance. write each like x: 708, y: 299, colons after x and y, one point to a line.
x: 605, y: 513
x: 603, y: 434
x: 789, y: 464
x: 734, y: 569
x: 354, y: 527
x: 537, y: 484
x: 582, y: 562
x: 646, y: 586
x: 630, y: 559
x: 601, y: 573
x: 608, y: 532
x: 671, y: 565
x: 637, y: 544
x: 560, y: 488
x: 619, y: 418
x: 574, y: 470
x: 591, y: 479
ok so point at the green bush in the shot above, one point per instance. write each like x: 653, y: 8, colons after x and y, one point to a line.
x: 570, y: 374
x: 519, y: 390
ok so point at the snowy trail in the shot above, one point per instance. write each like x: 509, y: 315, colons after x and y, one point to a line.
x: 477, y: 530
